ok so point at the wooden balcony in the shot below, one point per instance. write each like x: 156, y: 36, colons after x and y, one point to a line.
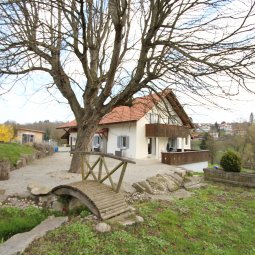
x: 165, y: 130
x: 186, y: 157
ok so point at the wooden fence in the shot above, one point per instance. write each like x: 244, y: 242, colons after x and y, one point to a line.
x: 186, y: 157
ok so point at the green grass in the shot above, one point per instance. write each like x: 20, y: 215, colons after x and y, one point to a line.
x: 216, y: 220
x: 14, y: 220
x: 13, y: 151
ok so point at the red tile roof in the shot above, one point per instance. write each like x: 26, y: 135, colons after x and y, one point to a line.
x: 140, y: 106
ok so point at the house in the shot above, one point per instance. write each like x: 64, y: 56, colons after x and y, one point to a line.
x: 26, y: 136
x: 152, y: 125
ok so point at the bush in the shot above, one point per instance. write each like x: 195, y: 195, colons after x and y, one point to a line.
x: 231, y: 162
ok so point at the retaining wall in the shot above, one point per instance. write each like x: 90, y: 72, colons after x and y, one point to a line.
x: 241, y: 179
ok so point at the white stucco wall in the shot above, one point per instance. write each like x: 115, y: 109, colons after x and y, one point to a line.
x: 72, y: 135
x: 122, y: 129
x: 187, y: 146
x: 141, y: 139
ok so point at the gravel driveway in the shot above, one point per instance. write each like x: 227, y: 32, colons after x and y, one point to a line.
x: 53, y: 171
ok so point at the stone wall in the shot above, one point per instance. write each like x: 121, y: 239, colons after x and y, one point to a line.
x: 4, y: 170
x: 41, y: 152
x: 242, y: 179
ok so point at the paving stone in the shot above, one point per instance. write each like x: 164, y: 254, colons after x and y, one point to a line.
x: 18, y: 243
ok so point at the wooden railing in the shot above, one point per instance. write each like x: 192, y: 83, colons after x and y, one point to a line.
x: 186, y: 157
x: 165, y: 130
x: 88, y: 168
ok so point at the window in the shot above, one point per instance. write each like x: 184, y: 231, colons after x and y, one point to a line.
x: 123, y: 142
x: 27, y: 138
x: 96, y: 141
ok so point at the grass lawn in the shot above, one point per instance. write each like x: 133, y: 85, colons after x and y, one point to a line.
x: 216, y: 220
x: 14, y: 220
x: 13, y: 151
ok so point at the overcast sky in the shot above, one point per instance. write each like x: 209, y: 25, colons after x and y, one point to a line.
x: 26, y: 107
x: 28, y: 103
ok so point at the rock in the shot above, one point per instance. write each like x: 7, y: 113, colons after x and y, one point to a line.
x: 129, y: 222
x: 176, y: 178
x: 74, y: 203
x: 139, y: 219
x: 19, y: 164
x: 192, y: 186
x: 181, y: 172
x: 102, y: 227
x: 58, y: 206
x: 146, y: 186
x: 47, y: 200
x: 4, y: 170
x: 19, y: 242
x: 138, y: 187
x: 2, y: 191
x: 36, y: 189
x: 170, y: 183
x: 181, y: 193
x: 157, y: 183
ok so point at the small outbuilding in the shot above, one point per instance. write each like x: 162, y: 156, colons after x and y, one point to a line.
x: 27, y: 136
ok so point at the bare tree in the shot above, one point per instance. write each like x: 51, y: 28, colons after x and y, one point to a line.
x: 99, y: 53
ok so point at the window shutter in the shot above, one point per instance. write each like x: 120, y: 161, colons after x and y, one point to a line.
x: 118, y: 141
x: 94, y: 141
x: 127, y: 141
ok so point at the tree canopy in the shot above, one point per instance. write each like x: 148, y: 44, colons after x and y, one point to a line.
x: 99, y: 53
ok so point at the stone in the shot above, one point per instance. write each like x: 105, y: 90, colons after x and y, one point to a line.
x: 4, y: 170
x: 19, y: 164
x: 176, y: 178
x: 37, y: 190
x: 170, y: 183
x: 19, y: 242
x: 181, y: 172
x: 157, y: 183
x: 74, y: 203
x: 102, y: 227
x: 139, y: 219
x: 47, y: 200
x: 146, y: 186
x: 138, y: 187
x: 58, y: 206
x: 192, y: 186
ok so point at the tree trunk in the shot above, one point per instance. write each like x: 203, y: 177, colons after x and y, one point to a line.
x: 83, y: 143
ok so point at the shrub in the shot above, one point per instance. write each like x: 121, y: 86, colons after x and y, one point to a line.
x: 231, y: 162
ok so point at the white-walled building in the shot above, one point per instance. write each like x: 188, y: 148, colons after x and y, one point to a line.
x: 153, y: 124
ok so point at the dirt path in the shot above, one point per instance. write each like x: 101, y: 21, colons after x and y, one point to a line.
x: 53, y: 171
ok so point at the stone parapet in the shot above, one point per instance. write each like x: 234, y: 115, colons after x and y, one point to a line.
x: 241, y: 179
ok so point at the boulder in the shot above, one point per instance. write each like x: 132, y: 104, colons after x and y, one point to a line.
x: 36, y: 189
x: 175, y: 177
x: 170, y: 183
x: 138, y: 187
x: 146, y: 186
x: 5, y: 167
x: 139, y: 219
x: 157, y: 183
x: 58, y: 206
x: 102, y: 227
x: 181, y: 172
x: 19, y: 164
x: 74, y: 203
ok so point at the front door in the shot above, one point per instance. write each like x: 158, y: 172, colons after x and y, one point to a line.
x: 152, y: 146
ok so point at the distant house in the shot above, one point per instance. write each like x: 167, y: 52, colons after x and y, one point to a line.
x: 150, y: 126
x: 26, y: 136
